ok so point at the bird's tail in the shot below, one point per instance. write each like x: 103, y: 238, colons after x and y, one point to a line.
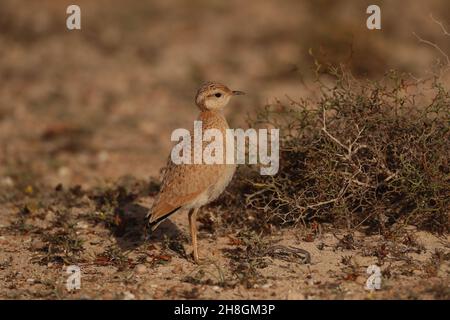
x: 153, y: 222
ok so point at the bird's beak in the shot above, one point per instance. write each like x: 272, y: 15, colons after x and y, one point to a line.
x: 238, y: 93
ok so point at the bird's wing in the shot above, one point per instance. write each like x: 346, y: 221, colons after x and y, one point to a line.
x: 181, y: 185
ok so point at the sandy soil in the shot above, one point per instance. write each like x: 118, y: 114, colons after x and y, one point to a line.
x: 235, y: 266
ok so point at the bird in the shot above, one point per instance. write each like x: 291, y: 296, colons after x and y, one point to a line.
x: 191, y: 186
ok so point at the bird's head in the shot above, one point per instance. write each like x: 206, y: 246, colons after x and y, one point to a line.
x: 214, y: 96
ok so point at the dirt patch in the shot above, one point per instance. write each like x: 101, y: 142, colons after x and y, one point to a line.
x: 118, y: 260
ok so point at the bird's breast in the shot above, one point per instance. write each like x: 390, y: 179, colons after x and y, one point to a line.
x: 223, y: 172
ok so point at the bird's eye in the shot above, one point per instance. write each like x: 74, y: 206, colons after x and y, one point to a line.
x: 218, y: 95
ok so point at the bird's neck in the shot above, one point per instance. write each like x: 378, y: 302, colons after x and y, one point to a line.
x: 213, y: 119
x: 212, y: 113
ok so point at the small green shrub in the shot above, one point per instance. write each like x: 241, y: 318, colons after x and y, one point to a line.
x: 368, y: 155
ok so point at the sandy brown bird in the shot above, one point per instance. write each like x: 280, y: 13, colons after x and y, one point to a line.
x: 191, y: 186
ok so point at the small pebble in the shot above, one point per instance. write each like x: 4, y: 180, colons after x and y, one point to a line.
x: 266, y: 286
x: 63, y: 171
x: 103, y: 156
x: 127, y: 295
x: 7, y: 182
x: 82, y: 225
x: 49, y: 216
x: 38, y: 244
x: 140, y: 268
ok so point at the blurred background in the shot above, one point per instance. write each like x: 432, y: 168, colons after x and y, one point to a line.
x: 83, y: 106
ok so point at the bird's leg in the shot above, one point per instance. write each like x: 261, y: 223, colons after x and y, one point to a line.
x: 193, y: 226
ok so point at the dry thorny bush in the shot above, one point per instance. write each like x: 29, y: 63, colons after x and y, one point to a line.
x: 365, y: 155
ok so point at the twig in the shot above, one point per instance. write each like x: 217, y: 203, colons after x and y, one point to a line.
x: 324, y: 129
x: 435, y: 46
x: 440, y: 24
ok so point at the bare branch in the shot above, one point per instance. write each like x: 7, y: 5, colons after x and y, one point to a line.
x: 440, y: 24
x: 324, y: 129
x: 435, y: 46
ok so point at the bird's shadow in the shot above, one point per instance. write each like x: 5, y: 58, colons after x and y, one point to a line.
x: 131, y: 231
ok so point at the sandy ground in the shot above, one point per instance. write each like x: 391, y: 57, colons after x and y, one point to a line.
x: 81, y: 110
x: 235, y: 266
